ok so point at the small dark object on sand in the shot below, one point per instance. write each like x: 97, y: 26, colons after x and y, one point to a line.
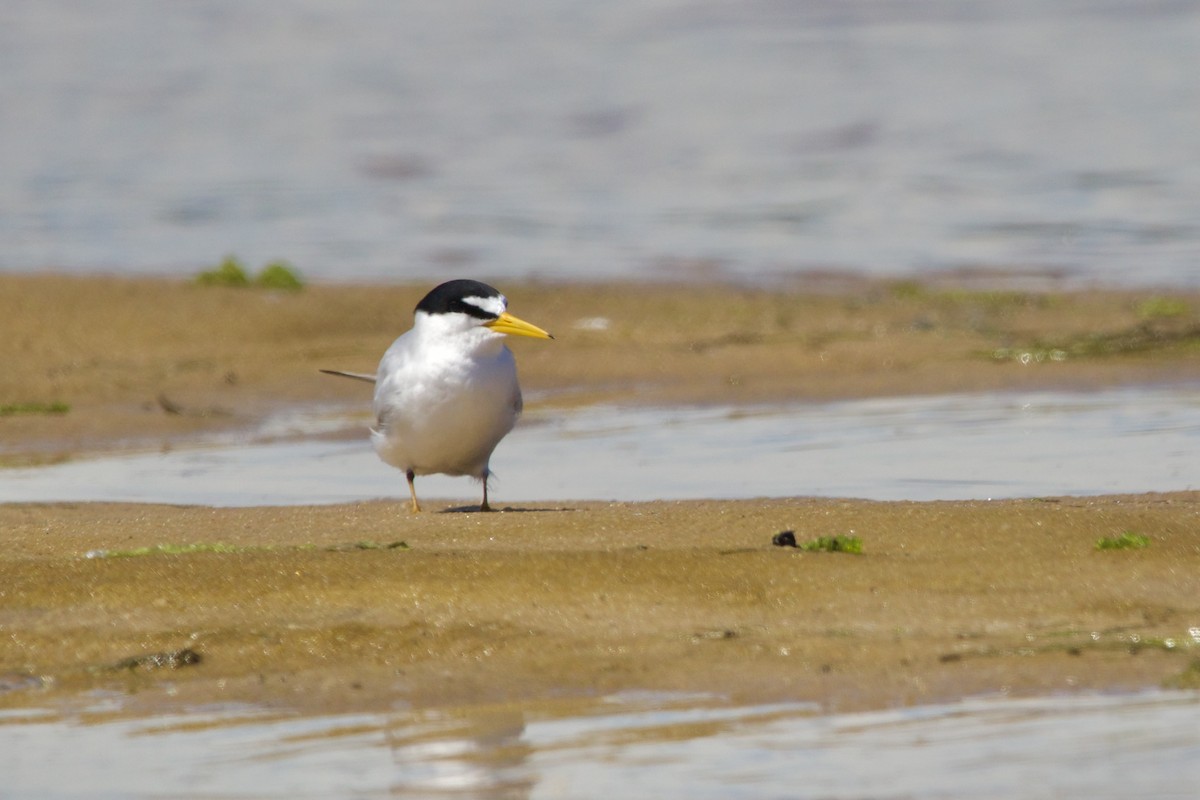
x: 784, y: 539
x: 173, y: 659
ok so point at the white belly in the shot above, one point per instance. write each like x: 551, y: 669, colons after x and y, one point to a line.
x: 445, y: 415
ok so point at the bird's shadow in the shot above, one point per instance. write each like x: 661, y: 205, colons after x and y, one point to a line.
x: 505, y: 510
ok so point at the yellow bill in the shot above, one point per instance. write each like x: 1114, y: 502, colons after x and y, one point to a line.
x: 507, y: 323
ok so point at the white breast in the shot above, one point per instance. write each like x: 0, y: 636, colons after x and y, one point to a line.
x: 443, y: 407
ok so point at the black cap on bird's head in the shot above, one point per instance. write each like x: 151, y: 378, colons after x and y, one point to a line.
x: 477, y: 299
x: 451, y: 297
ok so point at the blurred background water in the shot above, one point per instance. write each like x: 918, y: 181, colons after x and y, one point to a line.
x: 676, y: 139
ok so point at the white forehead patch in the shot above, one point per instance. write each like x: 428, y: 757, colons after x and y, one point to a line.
x: 491, y: 305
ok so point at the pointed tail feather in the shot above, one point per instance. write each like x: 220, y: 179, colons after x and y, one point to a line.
x: 358, y: 376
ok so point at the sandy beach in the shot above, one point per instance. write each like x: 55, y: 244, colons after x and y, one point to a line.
x: 338, y: 607
x: 321, y: 608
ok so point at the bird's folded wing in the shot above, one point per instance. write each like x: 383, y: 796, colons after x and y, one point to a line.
x: 358, y: 376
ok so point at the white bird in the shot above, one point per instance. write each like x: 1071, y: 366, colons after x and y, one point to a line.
x: 446, y: 391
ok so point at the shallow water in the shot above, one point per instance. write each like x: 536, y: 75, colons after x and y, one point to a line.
x: 911, y: 448
x: 630, y: 746
x: 633, y: 138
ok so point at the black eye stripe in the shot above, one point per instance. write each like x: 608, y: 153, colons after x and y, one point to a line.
x: 471, y: 309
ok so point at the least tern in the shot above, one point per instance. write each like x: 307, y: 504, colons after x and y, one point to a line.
x: 446, y: 391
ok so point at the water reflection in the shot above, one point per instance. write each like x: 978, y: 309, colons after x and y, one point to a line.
x: 1140, y: 745
x: 472, y: 752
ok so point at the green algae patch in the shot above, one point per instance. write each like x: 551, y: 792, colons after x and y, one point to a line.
x: 232, y: 272
x: 833, y: 544
x: 1154, y: 336
x: 33, y: 409
x: 1129, y: 540
x: 279, y: 275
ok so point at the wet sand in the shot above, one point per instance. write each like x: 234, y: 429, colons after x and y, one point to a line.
x: 948, y: 599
